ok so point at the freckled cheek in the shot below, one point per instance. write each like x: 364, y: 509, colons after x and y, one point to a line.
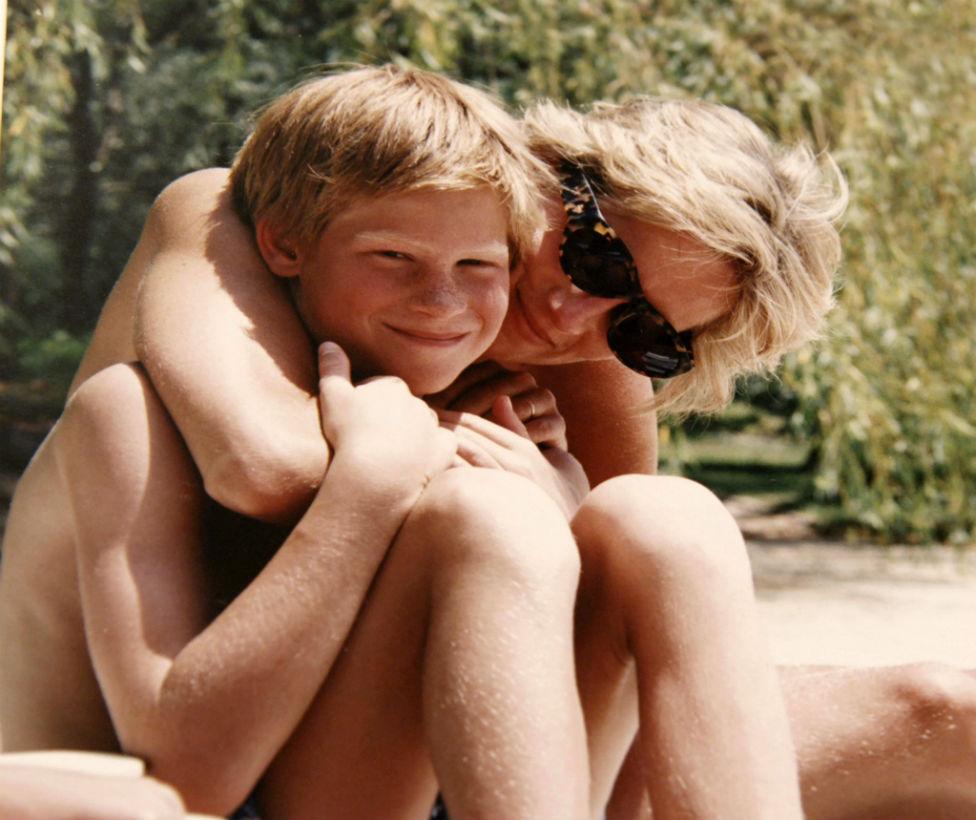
x: 492, y: 302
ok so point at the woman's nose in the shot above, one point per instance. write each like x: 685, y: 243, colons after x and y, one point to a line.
x: 574, y: 311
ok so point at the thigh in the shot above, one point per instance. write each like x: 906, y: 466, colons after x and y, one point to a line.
x: 360, y: 750
x: 466, y: 624
x: 605, y: 672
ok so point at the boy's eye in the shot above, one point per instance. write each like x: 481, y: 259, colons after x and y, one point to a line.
x: 388, y: 254
x: 478, y: 263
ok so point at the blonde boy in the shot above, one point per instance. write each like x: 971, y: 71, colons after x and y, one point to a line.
x: 407, y: 197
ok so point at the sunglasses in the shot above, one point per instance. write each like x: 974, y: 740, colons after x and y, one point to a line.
x: 597, y: 261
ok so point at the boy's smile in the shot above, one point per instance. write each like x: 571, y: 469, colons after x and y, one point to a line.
x: 413, y: 284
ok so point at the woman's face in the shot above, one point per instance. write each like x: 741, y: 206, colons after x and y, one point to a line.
x: 550, y: 321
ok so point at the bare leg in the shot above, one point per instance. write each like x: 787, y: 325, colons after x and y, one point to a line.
x: 629, y: 800
x: 461, y: 661
x: 885, y: 742
x: 891, y: 743
x: 58, y: 785
x: 666, y: 580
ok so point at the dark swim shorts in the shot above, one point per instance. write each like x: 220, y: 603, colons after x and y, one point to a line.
x: 249, y: 811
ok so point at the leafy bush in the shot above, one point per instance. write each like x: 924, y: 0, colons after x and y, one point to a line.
x: 107, y: 101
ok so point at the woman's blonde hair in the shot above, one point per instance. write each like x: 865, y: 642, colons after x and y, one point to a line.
x: 708, y: 171
x: 372, y: 131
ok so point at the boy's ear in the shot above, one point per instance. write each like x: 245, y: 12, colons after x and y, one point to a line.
x: 280, y: 252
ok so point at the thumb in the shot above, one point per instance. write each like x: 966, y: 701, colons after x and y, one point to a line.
x: 503, y: 414
x: 335, y: 374
x: 333, y: 363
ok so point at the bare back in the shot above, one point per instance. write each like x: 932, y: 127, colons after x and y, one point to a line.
x: 49, y: 697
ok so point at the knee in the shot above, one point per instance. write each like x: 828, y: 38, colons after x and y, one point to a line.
x: 112, y: 406
x: 497, y: 523
x: 940, y: 700
x: 661, y: 527
x: 119, y: 390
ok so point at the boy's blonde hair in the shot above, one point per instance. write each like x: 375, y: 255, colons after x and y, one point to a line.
x: 382, y: 130
x: 709, y: 171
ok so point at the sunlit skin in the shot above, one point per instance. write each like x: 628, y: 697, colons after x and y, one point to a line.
x: 413, y: 283
x: 550, y: 321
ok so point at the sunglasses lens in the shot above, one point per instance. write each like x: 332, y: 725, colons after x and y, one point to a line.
x: 600, y: 268
x: 645, y: 342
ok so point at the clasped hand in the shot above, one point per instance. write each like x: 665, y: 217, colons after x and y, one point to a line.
x: 380, y: 420
x: 504, y: 420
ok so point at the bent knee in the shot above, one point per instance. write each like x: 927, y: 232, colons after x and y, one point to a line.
x: 670, y: 526
x: 114, y: 391
x: 115, y: 420
x: 497, y: 520
x: 936, y: 693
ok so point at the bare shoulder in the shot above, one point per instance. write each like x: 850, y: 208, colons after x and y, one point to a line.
x: 196, y: 187
x: 178, y: 227
x: 189, y: 203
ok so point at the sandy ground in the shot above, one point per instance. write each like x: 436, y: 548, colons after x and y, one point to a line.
x: 825, y: 602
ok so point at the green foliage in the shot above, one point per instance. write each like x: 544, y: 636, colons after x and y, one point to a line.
x: 107, y: 100
x: 53, y: 358
x: 891, y: 395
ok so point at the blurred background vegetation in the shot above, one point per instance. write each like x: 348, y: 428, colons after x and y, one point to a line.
x: 108, y: 100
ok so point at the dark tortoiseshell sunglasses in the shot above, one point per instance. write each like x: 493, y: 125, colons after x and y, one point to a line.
x: 598, y: 262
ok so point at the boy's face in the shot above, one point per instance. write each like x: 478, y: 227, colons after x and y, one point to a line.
x: 413, y: 285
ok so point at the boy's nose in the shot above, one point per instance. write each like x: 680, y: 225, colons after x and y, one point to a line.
x: 440, y: 296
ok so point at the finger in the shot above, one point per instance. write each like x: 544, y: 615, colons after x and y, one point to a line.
x: 478, y: 397
x: 472, y: 375
x: 482, y: 427
x: 475, y: 455
x: 538, y: 401
x: 548, y: 431
x: 503, y: 413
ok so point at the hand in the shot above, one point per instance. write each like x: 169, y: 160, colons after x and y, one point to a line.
x: 381, y: 422
x: 476, y: 389
x: 504, y: 446
x: 30, y: 790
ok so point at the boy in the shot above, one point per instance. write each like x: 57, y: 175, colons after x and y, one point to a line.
x: 408, y: 196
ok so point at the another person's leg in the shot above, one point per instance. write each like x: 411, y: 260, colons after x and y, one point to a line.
x: 888, y: 743
x: 461, y: 662
x: 65, y: 785
x: 892, y: 742
x: 666, y: 601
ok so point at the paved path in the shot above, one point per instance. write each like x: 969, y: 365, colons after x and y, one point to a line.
x: 861, y: 606
x: 825, y: 602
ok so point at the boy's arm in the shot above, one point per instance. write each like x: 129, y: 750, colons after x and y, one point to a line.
x: 606, y: 430
x: 226, y: 352
x: 209, y: 705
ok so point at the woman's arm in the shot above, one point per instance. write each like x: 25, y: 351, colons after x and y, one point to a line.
x: 606, y: 429
x: 595, y: 406
x: 226, y: 352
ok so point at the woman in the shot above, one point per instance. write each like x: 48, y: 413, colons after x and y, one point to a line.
x: 732, y: 241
